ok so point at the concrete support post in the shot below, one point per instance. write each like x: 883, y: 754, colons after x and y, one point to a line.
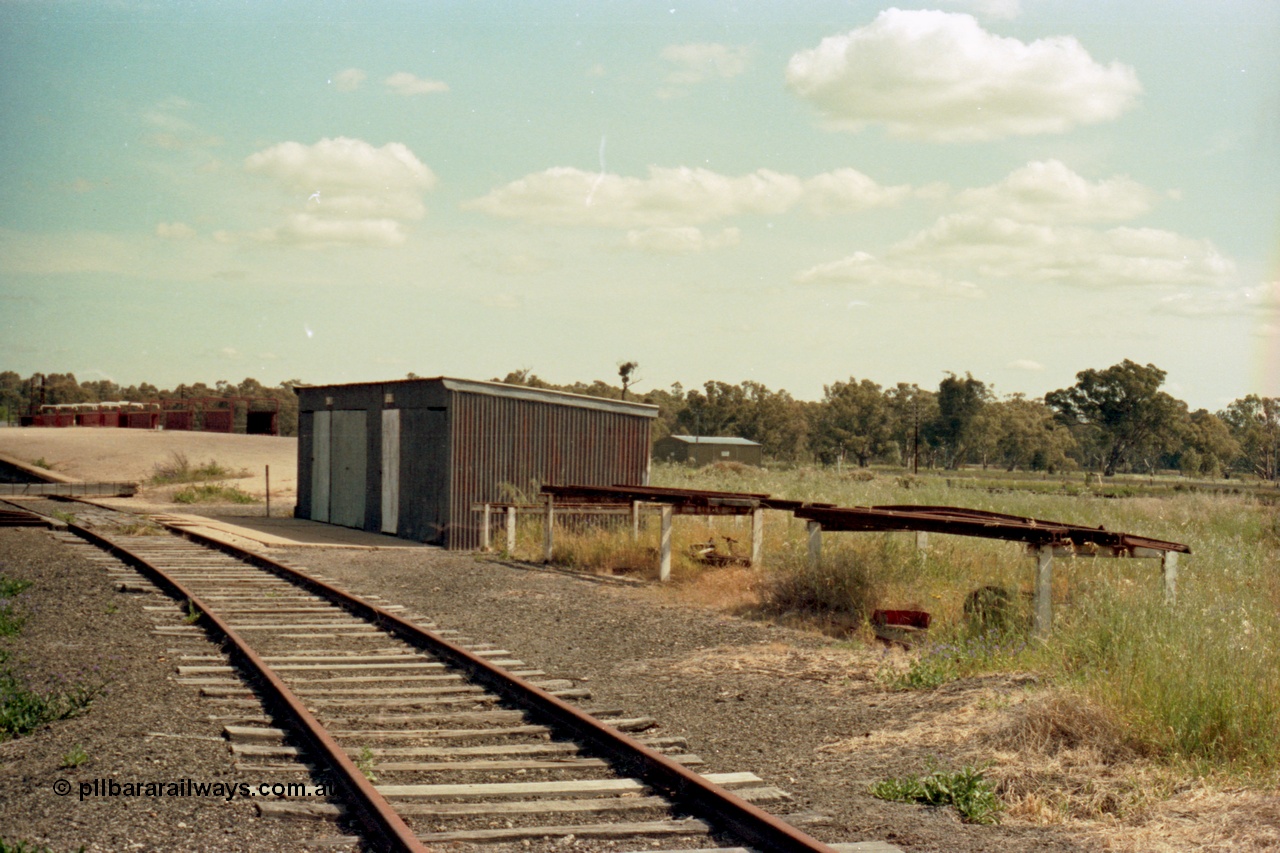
x: 549, y: 536
x: 757, y: 536
x: 922, y: 540
x: 1169, y: 566
x: 664, y: 564
x: 1044, y: 590
x: 486, y: 529
x: 815, y: 544
x: 635, y: 521
x: 511, y: 530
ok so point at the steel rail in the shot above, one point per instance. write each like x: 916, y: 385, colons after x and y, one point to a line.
x: 750, y: 823
x: 380, y: 820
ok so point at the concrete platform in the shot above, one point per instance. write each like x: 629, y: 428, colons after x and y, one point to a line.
x: 283, y: 532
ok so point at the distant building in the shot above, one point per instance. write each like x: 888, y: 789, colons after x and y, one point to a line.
x: 417, y: 458
x: 703, y: 450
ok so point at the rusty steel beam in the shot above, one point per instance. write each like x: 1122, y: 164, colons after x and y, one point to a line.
x: 964, y: 522
x: 751, y: 823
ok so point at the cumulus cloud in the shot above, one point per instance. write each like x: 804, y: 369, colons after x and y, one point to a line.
x: 1048, y: 191
x: 940, y: 76
x: 666, y: 198
x: 695, y: 63
x: 404, y: 83
x: 344, y: 191
x: 1000, y: 10
x: 849, y: 191
x: 677, y: 197
x: 301, y: 229
x: 864, y: 269
x: 998, y: 247
x: 684, y: 240
x: 174, y: 231
x: 348, y: 80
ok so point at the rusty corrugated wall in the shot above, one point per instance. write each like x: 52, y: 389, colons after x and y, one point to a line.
x: 500, y: 443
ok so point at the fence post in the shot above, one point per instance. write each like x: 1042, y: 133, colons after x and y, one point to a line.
x: 635, y: 521
x: 1169, y: 567
x: 486, y: 532
x: 1044, y: 590
x: 664, y: 564
x: 757, y: 536
x: 815, y: 544
x: 511, y: 530
x: 549, y: 537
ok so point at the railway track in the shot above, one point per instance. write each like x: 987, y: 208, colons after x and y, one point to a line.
x: 420, y: 736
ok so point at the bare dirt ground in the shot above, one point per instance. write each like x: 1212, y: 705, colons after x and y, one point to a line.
x: 809, y: 714
x: 131, y: 455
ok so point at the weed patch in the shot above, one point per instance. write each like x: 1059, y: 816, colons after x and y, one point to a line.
x: 966, y: 789
x: 213, y: 493
x: 943, y: 662
x: 23, y: 710
x: 179, y: 469
x: 10, y: 619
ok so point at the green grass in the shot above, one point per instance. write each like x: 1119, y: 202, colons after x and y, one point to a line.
x: 965, y: 789
x: 23, y: 710
x: 179, y: 469
x: 10, y: 618
x: 213, y: 493
x: 1196, y: 682
x: 74, y: 758
x: 42, y: 463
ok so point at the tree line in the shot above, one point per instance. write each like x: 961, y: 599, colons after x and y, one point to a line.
x: 1111, y: 420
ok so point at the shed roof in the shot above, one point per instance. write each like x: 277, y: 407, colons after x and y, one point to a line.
x: 517, y: 392
x: 716, y: 439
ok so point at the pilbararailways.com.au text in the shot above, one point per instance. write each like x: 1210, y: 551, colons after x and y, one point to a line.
x: 190, y: 788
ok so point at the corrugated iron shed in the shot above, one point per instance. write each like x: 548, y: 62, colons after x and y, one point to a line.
x: 413, y: 457
x: 706, y: 449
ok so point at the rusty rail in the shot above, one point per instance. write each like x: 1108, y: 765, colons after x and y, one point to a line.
x: 384, y: 827
x: 750, y: 823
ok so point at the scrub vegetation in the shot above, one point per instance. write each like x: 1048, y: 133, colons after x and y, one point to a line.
x: 1195, y: 683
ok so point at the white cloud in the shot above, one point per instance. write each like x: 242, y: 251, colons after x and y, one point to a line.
x: 1024, y: 364
x: 695, y: 63
x: 1048, y: 191
x: 404, y: 83
x: 681, y: 240
x: 675, y: 198
x: 864, y: 269
x: 666, y: 198
x: 301, y: 229
x: 849, y: 191
x: 174, y: 231
x: 1000, y: 10
x: 996, y: 247
x: 939, y: 76
x: 348, y: 80
x: 344, y: 191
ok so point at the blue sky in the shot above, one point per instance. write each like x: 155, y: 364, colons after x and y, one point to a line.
x: 788, y: 193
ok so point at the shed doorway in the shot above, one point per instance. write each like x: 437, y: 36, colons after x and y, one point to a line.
x: 338, y: 467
